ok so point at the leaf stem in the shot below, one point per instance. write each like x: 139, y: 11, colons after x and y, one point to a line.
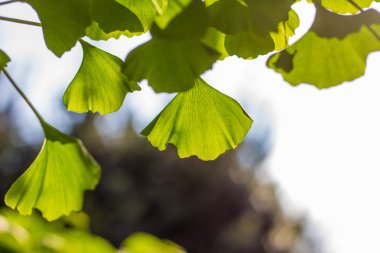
x: 40, y: 119
x: 20, y: 21
x: 8, y: 2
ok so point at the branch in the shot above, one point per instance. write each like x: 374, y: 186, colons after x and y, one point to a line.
x: 41, y: 120
x: 8, y: 2
x: 20, y: 21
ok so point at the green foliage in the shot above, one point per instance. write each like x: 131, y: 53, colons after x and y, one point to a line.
x: 201, y: 121
x: 102, y: 90
x: 324, y: 58
x: 188, y: 37
x: 57, y: 179
x: 20, y: 234
x: 146, y: 243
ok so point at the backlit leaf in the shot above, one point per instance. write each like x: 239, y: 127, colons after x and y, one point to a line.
x: 201, y: 121
x: 111, y: 16
x: 344, y: 6
x: 258, y: 16
x: 169, y: 65
x: 174, y: 8
x: 64, y: 22
x: 146, y: 10
x: 326, y: 58
x: 146, y: 243
x: 56, y: 180
x: 285, y: 31
x: 99, y: 85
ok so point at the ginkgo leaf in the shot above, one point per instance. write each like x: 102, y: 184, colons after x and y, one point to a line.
x: 111, y: 16
x: 191, y: 23
x: 99, y: 85
x: 146, y: 10
x: 169, y: 65
x: 4, y: 60
x: 56, y: 180
x: 324, y: 58
x: 201, y: 121
x: 258, y: 16
x: 64, y: 22
x: 174, y: 8
x: 146, y: 243
x: 215, y: 40
x: 345, y: 6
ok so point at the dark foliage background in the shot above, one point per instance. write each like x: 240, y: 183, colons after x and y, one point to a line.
x: 203, y: 206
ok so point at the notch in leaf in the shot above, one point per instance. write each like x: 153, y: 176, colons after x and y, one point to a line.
x: 335, y: 49
x: 56, y: 180
x: 99, y: 85
x: 201, y: 121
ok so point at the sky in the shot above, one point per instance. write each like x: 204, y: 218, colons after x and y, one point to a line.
x: 326, y: 143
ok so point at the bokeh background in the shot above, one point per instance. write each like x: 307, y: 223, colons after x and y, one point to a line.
x: 305, y: 180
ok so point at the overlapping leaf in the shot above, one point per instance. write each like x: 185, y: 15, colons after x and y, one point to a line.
x: 146, y: 10
x: 56, y: 180
x: 99, y: 85
x: 4, y: 60
x: 333, y: 51
x: 346, y: 6
x: 258, y: 16
x: 250, y: 45
x: 146, y: 243
x: 201, y: 122
x: 64, y: 22
x: 175, y: 57
x: 111, y: 16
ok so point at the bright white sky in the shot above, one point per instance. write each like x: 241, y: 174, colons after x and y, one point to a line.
x: 326, y: 156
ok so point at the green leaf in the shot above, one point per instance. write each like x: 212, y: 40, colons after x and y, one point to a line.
x: 285, y: 31
x: 169, y: 65
x: 191, y: 23
x: 215, y: 40
x: 146, y: 10
x: 56, y: 180
x: 174, y: 9
x: 64, y: 22
x: 201, y: 121
x: 344, y: 6
x: 257, y: 16
x: 4, y: 60
x: 333, y: 51
x: 111, y: 16
x: 99, y: 85
x: 146, y: 243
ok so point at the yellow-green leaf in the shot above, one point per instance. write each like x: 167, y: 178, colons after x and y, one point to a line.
x: 99, y: 85
x: 335, y: 50
x: 56, y: 180
x: 201, y: 121
x: 4, y: 60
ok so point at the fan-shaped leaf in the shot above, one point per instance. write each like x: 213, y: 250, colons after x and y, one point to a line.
x: 64, y: 22
x: 323, y: 60
x: 146, y: 243
x: 99, y: 85
x: 169, y: 65
x: 201, y: 121
x: 56, y: 180
x: 286, y: 30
